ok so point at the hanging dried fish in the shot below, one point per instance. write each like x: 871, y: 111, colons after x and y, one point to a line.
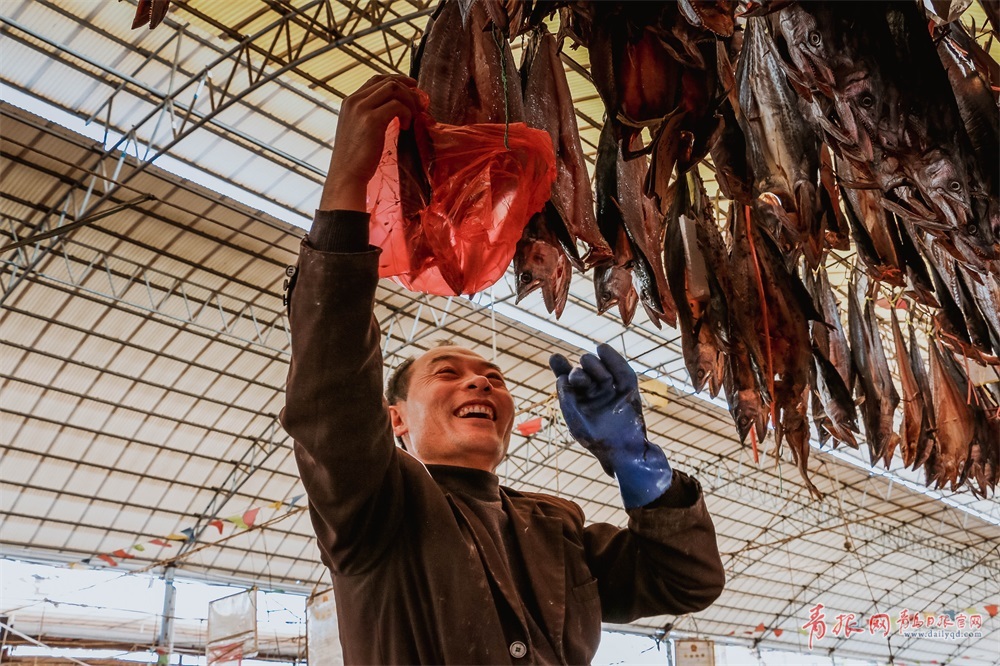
x: 782, y: 149
x: 829, y: 336
x: 873, y: 384
x: 977, y: 106
x: 548, y: 105
x: 466, y: 68
x: 834, y: 369
x: 913, y: 400
x: 927, y: 446
x: 835, y: 404
x: 150, y: 12
x: 691, y: 284
x: 644, y: 226
x: 955, y: 424
x: 624, y: 212
x: 613, y: 278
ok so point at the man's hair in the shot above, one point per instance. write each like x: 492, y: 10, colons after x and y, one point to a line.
x: 399, y: 382
x: 398, y: 385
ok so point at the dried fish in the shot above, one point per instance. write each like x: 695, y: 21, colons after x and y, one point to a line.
x: 715, y: 15
x: 955, y: 426
x: 874, y: 385
x: 841, y: 417
x: 829, y: 336
x: 913, y: 400
x: 782, y: 148
x: 466, y: 68
x: 927, y: 446
x: 747, y: 406
x: 690, y: 285
x: 633, y: 229
x: 548, y: 105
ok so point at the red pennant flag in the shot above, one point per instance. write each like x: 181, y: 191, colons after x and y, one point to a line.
x: 778, y: 632
x: 122, y: 555
x: 761, y: 627
x: 217, y: 524
x: 160, y: 542
x: 249, y: 517
x: 991, y: 609
x: 530, y: 427
x: 110, y: 560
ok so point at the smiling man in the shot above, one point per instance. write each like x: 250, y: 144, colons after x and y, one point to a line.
x: 434, y: 562
x: 441, y: 425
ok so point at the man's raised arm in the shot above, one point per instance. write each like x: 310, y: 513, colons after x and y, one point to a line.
x: 335, y: 410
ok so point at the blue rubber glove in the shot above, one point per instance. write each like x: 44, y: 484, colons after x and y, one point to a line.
x: 600, y: 402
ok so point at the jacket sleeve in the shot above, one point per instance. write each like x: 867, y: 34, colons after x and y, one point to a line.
x: 666, y: 562
x: 335, y: 410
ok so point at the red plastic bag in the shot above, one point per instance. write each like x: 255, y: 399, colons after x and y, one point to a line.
x: 481, y: 197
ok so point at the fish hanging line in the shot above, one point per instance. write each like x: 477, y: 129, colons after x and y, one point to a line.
x: 503, y: 81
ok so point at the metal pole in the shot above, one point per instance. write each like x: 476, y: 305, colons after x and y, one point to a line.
x: 165, y: 641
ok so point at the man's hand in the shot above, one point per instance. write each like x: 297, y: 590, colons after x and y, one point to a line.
x: 364, y: 117
x: 600, y: 402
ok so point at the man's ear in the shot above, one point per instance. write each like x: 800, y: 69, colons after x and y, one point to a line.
x: 397, y: 416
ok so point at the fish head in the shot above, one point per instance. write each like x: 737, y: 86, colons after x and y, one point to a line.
x: 864, y: 111
x: 700, y: 365
x: 942, y: 182
x: 718, y: 372
x: 538, y: 264
x: 645, y: 287
x: 704, y: 362
x: 749, y: 414
x: 610, y: 284
x: 810, y: 45
x: 627, y: 305
x: 988, y: 209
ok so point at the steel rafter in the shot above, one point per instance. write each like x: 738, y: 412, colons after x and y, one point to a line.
x: 202, y: 91
x: 253, y: 459
x: 177, y: 184
x: 132, y: 85
x: 131, y: 284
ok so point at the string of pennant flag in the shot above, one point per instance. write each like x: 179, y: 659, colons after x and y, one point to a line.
x: 239, y: 521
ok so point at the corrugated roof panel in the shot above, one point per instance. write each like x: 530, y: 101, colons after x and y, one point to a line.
x: 18, y: 466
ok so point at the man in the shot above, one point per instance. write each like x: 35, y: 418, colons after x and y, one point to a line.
x: 433, y: 561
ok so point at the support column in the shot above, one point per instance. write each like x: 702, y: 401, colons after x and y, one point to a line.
x: 165, y: 641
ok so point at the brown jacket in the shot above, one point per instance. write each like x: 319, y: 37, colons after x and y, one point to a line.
x: 414, y: 581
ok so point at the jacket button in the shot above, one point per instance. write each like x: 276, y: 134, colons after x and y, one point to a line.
x: 290, y: 271
x: 518, y: 649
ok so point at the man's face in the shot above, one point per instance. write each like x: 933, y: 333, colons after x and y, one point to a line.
x: 457, y: 411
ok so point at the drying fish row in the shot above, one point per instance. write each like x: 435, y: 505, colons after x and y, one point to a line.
x: 852, y: 101
x: 830, y: 126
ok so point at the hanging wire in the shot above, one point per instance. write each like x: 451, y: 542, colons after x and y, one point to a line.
x: 493, y: 324
x: 861, y: 567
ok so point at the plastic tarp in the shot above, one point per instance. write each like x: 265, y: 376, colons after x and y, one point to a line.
x: 232, y: 628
